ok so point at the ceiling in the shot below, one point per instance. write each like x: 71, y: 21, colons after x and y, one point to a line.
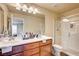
x: 59, y: 7
x: 54, y: 7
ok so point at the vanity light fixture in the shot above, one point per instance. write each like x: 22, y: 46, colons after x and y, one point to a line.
x: 34, y: 12
x: 28, y: 9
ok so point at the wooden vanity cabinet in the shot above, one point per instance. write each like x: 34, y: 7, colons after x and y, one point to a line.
x: 31, y: 49
x: 31, y: 52
x: 46, y: 48
x: 39, y: 48
x: 31, y: 46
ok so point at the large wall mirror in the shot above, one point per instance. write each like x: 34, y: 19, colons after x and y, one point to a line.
x: 21, y: 22
x: 27, y: 23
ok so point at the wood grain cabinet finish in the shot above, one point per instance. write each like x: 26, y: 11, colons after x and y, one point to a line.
x: 46, y: 50
x: 31, y: 52
x: 31, y: 45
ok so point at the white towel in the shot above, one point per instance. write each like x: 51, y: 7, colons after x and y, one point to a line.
x: 6, y: 49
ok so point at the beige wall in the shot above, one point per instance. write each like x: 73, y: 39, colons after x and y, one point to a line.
x: 49, y: 25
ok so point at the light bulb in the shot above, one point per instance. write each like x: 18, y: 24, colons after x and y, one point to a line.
x: 31, y: 8
x: 18, y: 6
x: 34, y: 12
x: 24, y: 8
x: 29, y: 11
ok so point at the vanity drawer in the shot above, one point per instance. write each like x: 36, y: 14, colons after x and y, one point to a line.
x: 17, y: 49
x: 31, y: 52
x: 31, y: 45
x: 49, y: 41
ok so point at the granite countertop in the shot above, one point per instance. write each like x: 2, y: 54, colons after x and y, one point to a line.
x: 19, y: 42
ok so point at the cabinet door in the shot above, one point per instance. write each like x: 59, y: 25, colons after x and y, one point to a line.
x: 46, y: 50
x: 31, y: 46
x: 31, y: 52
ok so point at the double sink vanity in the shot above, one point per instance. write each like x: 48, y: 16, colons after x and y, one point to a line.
x: 29, y: 47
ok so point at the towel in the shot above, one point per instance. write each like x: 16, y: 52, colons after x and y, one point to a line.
x: 6, y: 49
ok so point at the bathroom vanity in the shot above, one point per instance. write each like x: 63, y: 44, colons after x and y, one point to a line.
x: 30, y: 47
